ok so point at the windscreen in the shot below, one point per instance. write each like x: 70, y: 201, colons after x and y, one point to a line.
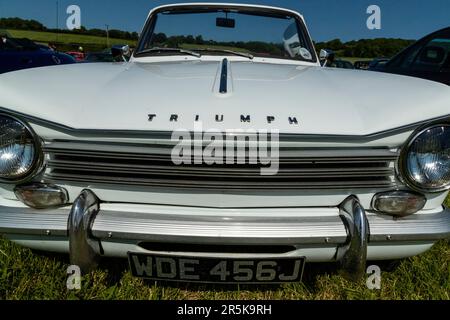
x: 258, y: 34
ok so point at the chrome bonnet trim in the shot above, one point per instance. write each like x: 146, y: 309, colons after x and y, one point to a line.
x: 223, y: 87
x: 166, y: 135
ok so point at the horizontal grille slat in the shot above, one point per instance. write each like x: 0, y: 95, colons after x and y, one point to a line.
x: 220, y: 184
x: 166, y: 158
x: 224, y: 172
x: 343, y: 170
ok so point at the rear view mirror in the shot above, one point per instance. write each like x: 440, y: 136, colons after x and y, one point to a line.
x: 225, y: 23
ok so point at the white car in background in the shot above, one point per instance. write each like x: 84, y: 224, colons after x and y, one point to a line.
x: 86, y: 162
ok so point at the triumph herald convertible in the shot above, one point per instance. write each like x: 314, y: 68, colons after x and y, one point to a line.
x: 223, y: 152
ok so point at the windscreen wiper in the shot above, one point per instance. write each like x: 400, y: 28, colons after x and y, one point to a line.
x: 237, y: 53
x: 156, y: 49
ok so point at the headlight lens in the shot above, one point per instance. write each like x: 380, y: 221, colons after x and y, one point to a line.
x: 18, y: 151
x: 425, y: 163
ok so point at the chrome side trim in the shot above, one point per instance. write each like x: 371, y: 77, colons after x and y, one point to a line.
x: 166, y: 135
x: 353, y: 255
x: 84, y: 249
x: 224, y: 77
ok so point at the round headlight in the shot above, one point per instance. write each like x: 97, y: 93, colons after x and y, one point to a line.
x: 19, y: 150
x: 425, y: 161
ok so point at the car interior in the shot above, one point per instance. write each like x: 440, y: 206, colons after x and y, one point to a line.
x: 431, y: 58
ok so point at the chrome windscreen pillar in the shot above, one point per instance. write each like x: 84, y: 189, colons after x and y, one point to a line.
x: 353, y: 255
x: 84, y: 249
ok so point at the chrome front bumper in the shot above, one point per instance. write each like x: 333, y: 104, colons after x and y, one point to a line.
x: 350, y: 231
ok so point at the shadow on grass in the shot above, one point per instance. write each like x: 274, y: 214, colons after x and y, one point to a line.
x: 115, y: 268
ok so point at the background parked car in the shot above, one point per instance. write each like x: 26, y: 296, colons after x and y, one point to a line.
x: 17, y: 54
x: 79, y: 56
x: 118, y: 53
x: 4, y: 34
x: 362, y: 65
x: 328, y: 59
x: 99, y: 57
x: 377, y: 63
x: 343, y: 64
x: 428, y: 58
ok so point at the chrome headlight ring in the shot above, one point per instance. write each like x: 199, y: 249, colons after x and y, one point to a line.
x: 403, y: 167
x: 37, y: 163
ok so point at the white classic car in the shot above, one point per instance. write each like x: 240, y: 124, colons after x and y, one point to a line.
x: 110, y: 159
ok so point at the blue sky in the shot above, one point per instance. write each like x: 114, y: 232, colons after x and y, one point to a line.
x: 326, y: 19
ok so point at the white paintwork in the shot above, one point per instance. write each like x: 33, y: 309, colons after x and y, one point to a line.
x: 190, y: 200
x: 326, y: 102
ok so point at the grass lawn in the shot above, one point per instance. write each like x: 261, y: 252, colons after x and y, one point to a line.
x: 29, y: 275
x: 94, y: 43
x: 206, y: 46
x: 46, y: 37
x: 353, y: 59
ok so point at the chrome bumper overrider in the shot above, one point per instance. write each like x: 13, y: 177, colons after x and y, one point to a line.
x: 83, y: 247
x: 350, y: 231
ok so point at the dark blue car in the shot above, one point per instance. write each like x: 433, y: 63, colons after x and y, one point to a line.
x: 18, y: 54
x: 428, y: 58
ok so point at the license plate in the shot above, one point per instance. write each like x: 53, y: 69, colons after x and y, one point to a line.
x: 216, y: 270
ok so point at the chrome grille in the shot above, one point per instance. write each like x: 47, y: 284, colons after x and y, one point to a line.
x: 299, y: 169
